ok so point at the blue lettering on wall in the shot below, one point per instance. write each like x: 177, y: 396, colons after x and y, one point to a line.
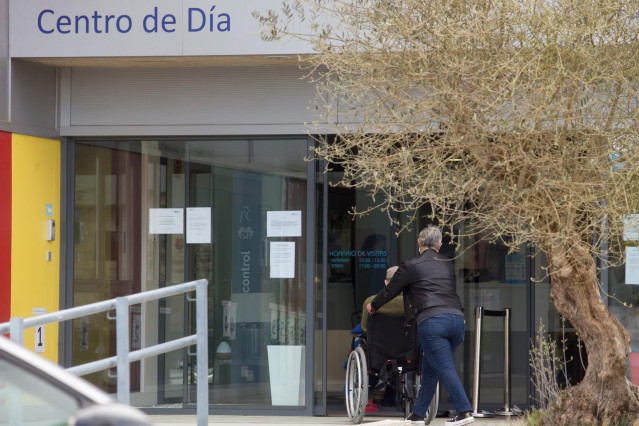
x: 40, y: 21
x: 64, y: 21
x: 101, y: 23
x: 224, y: 22
x: 119, y: 25
x: 96, y: 21
x: 86, y: 23
x: 197, y: 20
x: 154, y: 22
x: 150, y: 22
x: 166, y: 21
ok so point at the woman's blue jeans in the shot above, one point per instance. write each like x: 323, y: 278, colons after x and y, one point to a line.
x: 439, y: 337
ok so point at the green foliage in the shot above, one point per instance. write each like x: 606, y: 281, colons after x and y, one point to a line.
x: 538, y: 417
x: 547, y: 363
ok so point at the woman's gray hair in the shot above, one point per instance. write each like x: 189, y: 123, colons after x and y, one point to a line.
x: 430, y: 237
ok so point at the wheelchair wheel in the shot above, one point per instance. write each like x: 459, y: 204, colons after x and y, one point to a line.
x: 411, y: 388
x: 432, y: 408
x: 356, y: 385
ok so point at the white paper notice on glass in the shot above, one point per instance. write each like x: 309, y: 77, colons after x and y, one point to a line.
x: 166, y: 221
x: 198, y: 225
x: 282, y: 255
x: 631, y: 227
x: 632, y: 265
x: 286, y: 223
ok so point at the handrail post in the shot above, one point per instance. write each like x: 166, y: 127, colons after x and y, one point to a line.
x: 17, y: 330
x: 201, y: 327
x: 122, y: 348
x: 15, y: 394
x: 123, y: 357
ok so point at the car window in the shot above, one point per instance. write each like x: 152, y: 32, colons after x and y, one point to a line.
x: 30, y: 399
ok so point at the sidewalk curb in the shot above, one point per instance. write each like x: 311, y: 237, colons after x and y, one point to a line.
x: 244, y: 420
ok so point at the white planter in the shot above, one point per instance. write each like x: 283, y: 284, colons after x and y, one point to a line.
x: 286, y: 371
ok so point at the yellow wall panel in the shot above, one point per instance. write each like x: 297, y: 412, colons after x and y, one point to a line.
x: 35, y: 280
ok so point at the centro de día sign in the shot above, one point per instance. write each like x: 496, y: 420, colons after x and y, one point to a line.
x: 197, y: 20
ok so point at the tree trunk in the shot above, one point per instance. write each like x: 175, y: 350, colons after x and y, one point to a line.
x: 605, y: 395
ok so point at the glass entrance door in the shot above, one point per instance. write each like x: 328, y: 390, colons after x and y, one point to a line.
x: 256, y: 264
x: 359, y: 252
x: 487, y: 275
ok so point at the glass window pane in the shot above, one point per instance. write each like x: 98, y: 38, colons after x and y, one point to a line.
x: 624, y: 305
x: 107, y: 253
x: 257, y: 281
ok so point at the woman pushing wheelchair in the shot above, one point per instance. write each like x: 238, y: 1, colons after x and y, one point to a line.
x: 430, y: 297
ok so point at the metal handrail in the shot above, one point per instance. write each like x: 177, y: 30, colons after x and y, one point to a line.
x: 124, y: 356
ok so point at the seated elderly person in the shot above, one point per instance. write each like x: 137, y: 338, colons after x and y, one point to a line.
x: 394, y: 307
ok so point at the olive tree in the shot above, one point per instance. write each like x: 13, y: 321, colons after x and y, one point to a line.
x: 520, y: 117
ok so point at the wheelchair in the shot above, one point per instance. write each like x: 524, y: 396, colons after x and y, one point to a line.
x: 389, y: 351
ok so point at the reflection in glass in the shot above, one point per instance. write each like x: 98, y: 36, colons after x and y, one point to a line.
x: 107, y: 252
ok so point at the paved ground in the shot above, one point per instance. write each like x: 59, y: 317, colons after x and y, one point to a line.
x: 167, y: 420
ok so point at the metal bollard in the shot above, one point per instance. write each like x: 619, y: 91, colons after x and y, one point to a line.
x: 507, y: 410
x: 479, y: 315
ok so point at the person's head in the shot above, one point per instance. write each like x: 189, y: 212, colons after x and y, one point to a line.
x: 430, y: 237
x: 389, y: 273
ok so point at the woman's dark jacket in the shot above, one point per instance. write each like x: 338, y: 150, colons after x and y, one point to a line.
x: 427, y: 280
